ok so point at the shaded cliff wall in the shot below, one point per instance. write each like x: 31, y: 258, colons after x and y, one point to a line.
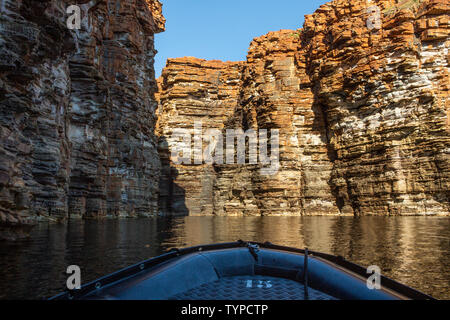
x: 362, y: 108
x: 76, y: 110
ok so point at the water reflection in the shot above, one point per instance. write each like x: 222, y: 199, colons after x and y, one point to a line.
x: 412, y: 250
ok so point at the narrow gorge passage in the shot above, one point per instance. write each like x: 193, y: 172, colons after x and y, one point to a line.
x: 360, y: 96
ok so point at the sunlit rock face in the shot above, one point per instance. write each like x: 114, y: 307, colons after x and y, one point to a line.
x: 77, y: 110
x: 384, y: 89
x: 276, y: 94
x: 360, y: 96
x: 192, y: 91
x: 269, y: 91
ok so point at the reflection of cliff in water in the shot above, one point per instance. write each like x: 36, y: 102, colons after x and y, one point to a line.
x: 35, y: 268
x: 413, y: 250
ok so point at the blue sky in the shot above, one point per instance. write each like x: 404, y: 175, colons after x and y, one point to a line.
x: 223, y: 29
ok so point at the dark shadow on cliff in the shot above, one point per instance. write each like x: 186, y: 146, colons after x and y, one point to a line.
x: 172, y: 197
x: 320, y: 124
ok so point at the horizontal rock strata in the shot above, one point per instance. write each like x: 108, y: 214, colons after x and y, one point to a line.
x: 77, y: 112
x: 384, y: 88
x: 360, y: 96
x: 192, y: 91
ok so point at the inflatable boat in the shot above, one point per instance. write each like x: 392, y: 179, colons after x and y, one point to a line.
x: 242, y: 271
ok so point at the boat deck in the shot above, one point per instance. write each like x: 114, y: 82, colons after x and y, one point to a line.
x: 251, y: 288
x: 241, y: 271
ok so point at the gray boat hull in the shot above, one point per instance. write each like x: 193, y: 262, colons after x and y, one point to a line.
x: 242, y: 271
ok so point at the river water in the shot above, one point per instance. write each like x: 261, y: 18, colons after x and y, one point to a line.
x: 412, y: 250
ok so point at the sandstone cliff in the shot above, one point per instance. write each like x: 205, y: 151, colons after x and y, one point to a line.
x: 77, y: 111
x: 384, y: 88
x: 192, y: 90
x: 361, y: 98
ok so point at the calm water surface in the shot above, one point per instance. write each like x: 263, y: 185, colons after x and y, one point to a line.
x: 412, y: 250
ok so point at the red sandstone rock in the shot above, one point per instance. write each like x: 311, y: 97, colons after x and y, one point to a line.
x: 362, y: 104
x: 192, y: 90
x: 386, y: 105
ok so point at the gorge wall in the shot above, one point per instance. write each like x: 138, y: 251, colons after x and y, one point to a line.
x: 192, y: 91
x: 385, y: 93
x: 77, y: 111
x: 360, y: 96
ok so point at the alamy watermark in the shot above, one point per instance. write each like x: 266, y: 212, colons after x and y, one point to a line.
x: 74, y: 280
x: 208, y: 147
x: 374, y: 280
x: 374, y: 20
x: 74, y: 19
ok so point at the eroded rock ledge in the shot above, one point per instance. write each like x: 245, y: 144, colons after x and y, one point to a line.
x: 363, y: 111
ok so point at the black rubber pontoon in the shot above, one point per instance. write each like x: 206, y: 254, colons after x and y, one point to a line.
x: 242, y: 271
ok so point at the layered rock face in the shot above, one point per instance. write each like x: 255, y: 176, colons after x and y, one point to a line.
x: 196, y: 95
x: 114, y: 160
x: 360, y: 96
x: 33, y: 149
x: 275, y: 94
x: 76, y: 110
x: 269, y: 91
x: 380, y: 71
